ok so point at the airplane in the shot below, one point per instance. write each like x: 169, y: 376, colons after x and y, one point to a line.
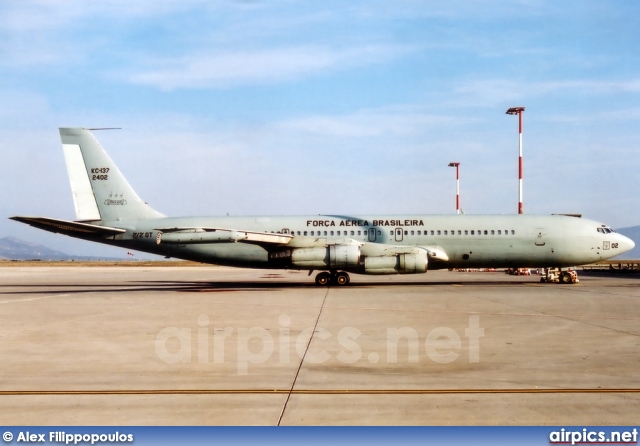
x: 109, y: 211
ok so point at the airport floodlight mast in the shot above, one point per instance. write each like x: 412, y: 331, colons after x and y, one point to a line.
x: 518, y: 111
x: 457, y: 166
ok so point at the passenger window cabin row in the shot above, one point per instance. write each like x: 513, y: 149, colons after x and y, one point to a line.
x: 420, y: 232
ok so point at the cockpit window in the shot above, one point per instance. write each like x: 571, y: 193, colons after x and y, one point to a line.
x: 605, y: 230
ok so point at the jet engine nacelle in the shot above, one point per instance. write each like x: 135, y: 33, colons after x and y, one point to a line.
x: 194, y: 237
x: 324, y: 257
x: 332, y: 256
x: 402, y: 263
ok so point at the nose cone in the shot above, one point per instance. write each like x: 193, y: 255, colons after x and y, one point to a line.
x: 625, y: 244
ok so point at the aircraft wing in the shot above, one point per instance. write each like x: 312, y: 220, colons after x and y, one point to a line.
x: 66, y: 227
x: 186, y: 236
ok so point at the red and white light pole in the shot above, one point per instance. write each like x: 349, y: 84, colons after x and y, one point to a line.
x: 518, y: 111
x: 457, y: 166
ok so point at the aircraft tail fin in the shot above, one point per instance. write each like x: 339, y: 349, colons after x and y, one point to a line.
x: 100, y: 191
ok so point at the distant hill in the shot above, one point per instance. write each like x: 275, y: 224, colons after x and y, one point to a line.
x: 12, y: 248
x: 634, y: 234
x: 16, y: 249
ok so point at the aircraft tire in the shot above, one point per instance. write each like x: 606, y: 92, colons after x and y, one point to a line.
x: 323, y: 278
x: 342, y: 278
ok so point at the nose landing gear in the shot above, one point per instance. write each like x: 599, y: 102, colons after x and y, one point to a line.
x: 333, y: 278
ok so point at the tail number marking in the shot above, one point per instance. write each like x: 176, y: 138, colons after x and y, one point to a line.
x: 99, y: 173
x: 142, y: 234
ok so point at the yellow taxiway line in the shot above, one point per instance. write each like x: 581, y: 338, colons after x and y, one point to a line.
x: 311, y: 391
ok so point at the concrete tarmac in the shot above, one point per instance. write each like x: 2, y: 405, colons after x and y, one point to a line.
x: 220, y: 346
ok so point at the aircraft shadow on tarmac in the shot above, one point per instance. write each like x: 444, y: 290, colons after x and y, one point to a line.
x: 224, y: 286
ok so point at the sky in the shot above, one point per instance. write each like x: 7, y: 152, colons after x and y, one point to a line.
x: 251, y: 107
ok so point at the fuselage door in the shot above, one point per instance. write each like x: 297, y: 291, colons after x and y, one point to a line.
x: 398, y: 234
x: 372, y: 234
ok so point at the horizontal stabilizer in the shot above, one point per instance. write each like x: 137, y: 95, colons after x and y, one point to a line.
x: 219, y: 235
x: 72, y: 228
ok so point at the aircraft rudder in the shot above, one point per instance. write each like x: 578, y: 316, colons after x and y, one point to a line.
x: 100, y: 190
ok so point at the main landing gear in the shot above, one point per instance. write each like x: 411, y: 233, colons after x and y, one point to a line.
x: 332, y: 278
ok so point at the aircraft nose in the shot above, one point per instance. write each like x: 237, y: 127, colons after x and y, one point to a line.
x: 626, y: 244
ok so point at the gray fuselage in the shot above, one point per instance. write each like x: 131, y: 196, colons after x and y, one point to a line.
x: 468, y: 240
